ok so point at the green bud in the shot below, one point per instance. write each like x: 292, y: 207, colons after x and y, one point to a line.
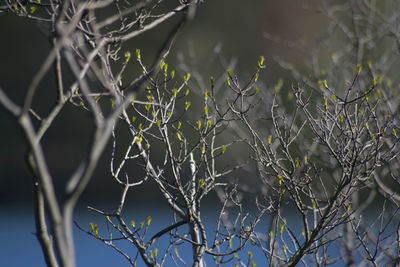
x: 138, y: 54
x: 127, y: 56
x: 187, y: 105
x: 178, y: 136
x: 223, y: 149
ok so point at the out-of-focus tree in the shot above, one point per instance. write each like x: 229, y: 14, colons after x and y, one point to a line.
x: 326, y: 148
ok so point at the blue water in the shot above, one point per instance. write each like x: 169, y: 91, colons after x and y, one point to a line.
x: 19, y: 246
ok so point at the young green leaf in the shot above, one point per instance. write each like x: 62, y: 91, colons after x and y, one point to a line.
x: 228, y: 80
x: 138, y: 54
x: 279, y: 179
x: 178, y: 136
x: 359, y: 68
x: 165, y: 69
x: 325, y: 101
x: 223, y: 149
x: 187, y: 105
x: 91, y: 225
x: 162, y: 63
x: 150, y: 98
x: 187, y: 77
x: 261, y: 62
x: 127, y: 56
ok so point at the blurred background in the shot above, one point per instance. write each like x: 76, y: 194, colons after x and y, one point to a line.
x: 235, y: 29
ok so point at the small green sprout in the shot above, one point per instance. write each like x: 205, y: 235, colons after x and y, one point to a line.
x: 138, y: 54
x: 127, y: 56
x: 187, y: 77
x: 178, y: 136
x: 187, y: 105
x: 279, y: 179
x: 359, y: 68
x: 261, y: 62
x: 228, y: 80
x: 223, y: 149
